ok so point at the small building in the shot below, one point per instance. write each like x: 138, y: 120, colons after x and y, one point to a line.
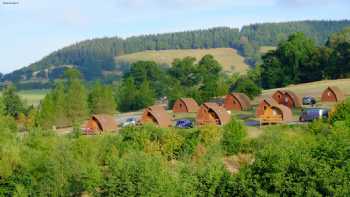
x: 287, y: 98
x: 100, y: 123
x: 276, y: 114
x: 157, y: 115
x: 237, y: 101
x: 185, y: 105
x: 278, y: 96
x: 263, y: 105
x: 291, y: 99
x: 212, y: 113
x: 332, y: 94
x: 218, y: 100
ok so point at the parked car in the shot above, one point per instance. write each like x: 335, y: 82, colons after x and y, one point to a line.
x: 309, y: 100
x: 184, y: 124
x: 130, y: 122
x: 313, y: 114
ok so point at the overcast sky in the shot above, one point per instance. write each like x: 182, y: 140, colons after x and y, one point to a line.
x: 31, y: 29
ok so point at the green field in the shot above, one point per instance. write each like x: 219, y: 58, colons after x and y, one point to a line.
x: 32, y: 97
x: 228, y: 58
x: 265, y: 49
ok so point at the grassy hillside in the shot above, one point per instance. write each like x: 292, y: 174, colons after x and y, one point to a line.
x: 265, y: 49
x: 228, y: 58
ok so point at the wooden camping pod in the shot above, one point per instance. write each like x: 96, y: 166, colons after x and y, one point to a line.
x: 212, y: 113
x: 276, y: 114
x: 287, y: 98
x: 278, y: 96
x: 332, y: 94
x: 237, y: 101
x: 156, y: 115
x: 185, y: 105
x: 263, y: 105
x: 291, y: 99
x: 100, y: 123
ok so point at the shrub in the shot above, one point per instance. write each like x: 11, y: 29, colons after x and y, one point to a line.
x: 210, y: 134
x: 234, y: 133
x: 138, y: 174
x: 171, y: 143
x: 341, y: 112
x: 318, y: 127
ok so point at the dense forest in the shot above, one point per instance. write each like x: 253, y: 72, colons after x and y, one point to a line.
x: 272, y: 33
x: 96, y: 58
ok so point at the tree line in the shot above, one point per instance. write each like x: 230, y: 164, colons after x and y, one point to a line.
x: 299, y: 60
x: 93, y: 57
x: 146, y: 82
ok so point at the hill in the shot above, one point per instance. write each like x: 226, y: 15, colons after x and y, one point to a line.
x: 96, y: 58
x: 227, y: 57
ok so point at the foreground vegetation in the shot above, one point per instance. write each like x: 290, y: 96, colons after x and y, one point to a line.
x: 147, y: 161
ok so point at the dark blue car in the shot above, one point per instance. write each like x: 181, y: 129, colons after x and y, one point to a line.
x: 309, y: 100
x: 313, y: 114
x: 184, y: 124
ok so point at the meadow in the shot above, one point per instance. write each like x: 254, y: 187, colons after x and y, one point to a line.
x: 32, y: 97
x: 229, y: 58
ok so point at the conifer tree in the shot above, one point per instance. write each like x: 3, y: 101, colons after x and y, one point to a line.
x: 146, y: 95
x: 60, y: 105
x: 46, y: 115
x: 13, y: 105
x: 127, y: 95
x: 101, y: 100
x: 76, y: 97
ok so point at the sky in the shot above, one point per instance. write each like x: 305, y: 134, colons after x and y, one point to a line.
x: 32, y: 29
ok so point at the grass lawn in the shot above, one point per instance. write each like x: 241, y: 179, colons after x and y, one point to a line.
x: 32, y: 97
x: 228, y: 57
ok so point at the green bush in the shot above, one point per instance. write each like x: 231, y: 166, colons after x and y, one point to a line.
x: 341, y: 112
x: 233, y: 135
x: 210, y: 134
x: 318, y: 127
x: 138, y: 174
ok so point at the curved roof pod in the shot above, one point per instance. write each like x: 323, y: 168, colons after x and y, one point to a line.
x: 291, y: 99
x: 237, y: 101
x: 278, y: 96
x: 212, y: 113
x: 285, y: 112
x: 185, y: 105
x: 156, y: 115
x: 263, y: 104
x: 102, y: 122
x: 332, y: 94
